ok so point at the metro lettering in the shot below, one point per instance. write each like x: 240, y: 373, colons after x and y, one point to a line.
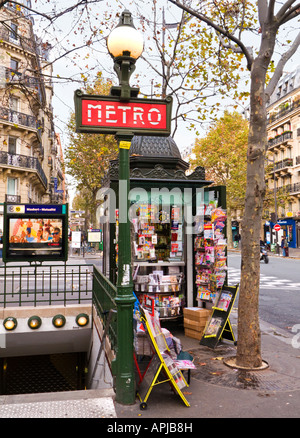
x: 123, y: 115
x: 110, y: 110
x: 138, y: 113
x: 158, y: 116
x: 90, y: 107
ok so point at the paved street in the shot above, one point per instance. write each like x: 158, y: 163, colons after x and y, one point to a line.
x: 279, y: 289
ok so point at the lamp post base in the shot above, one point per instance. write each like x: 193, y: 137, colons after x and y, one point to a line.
x: 125, y: 375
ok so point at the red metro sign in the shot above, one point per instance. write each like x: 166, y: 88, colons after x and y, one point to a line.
x: 106, y: 114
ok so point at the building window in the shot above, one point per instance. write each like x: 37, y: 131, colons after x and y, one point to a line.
x: 14, y: 64
x: 13, y: 31
x: 14, y: 103
x: 12, y: 145
x: 12, y: 186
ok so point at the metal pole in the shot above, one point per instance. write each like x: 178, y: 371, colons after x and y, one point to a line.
x: 125, y: 382
x: 124, y: 65
x: 276, y: 217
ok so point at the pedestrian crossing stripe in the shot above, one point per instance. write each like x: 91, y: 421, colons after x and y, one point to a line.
x: 266, y: 281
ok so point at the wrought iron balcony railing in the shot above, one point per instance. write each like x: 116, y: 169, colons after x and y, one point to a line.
x: 23, y: 161
x: 21, y: 119
x: 279, y: 165
x: 18, y: 118
x: 27, y: 44
x: 284, y: 111
x: 13, y: 199
x: 15, y: 77
x: 280, y: 139
x: 293, y: 188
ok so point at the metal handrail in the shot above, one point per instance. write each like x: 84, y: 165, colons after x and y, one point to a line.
x: 103, y: 341
x: 46, y: 284
x: 104, y: 294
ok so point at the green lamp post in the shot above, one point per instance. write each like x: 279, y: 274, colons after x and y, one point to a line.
x: 125, y: 45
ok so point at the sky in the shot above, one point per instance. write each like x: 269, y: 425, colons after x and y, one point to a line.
x: 75, y: 63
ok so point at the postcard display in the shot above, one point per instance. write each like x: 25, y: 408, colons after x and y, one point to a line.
x: 210, y: 253
x: 158, y: 260
x: 211, y: 272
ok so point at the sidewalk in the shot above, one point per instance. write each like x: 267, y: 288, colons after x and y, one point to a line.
x: 294, y: 253
x: 215, y: 390
x: 218, y: 391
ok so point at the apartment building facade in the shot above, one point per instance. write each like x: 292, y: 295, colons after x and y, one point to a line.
x: 31, y: 157
x: 283, y: 157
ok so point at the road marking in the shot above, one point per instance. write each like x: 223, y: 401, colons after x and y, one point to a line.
x: 266, y: 282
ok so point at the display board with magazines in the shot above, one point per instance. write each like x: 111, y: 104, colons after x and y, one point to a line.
x: 162, y: 368
x: 219, y: 326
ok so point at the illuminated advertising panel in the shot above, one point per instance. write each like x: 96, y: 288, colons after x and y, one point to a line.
x: 35, y: 232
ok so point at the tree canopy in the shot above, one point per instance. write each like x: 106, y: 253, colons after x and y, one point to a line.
x: 223, y: 153
x: 87, y: 155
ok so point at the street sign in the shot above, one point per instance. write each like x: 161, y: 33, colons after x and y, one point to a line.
x: 107, y: 115
x: 277, y: 227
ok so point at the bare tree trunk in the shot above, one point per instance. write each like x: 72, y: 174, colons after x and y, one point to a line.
x: 229, y: 229
x: 249, y: 338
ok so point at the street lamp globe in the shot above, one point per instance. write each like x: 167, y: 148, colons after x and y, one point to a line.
x: 125, y: 40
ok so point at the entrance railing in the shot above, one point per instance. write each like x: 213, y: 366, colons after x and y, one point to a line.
x: 104, y: 294
x: 59, y: 284
x: 34, y: 285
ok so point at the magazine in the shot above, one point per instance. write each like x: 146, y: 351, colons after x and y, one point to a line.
x: 224, y: 300
x: 213, y: 326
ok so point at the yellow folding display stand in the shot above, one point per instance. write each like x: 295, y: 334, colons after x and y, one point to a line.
x: 161, y: 364
x: 219, y: 326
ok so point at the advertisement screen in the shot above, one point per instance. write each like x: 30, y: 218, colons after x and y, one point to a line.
x: 94, y: 237
x: 35, y: 237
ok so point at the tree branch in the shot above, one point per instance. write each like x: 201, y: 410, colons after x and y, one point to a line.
x: 282, y: 11
x: 289, y: 15
x: 280, y: 66
x: 217, y: 29
x: 47, y: 16
x: 262, y: 6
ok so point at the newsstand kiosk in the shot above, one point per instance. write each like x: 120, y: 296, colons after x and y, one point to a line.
x: 177, y: 227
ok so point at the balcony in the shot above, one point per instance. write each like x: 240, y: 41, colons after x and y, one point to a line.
x: 13, y: 199
x: 282, y: 165
x: 293, y: 188
x: 20, y: 119
x: 280, y: 139
x: 14, y: 77
x: 26, y: 44
x: 284, y: 112
x: 24, y: 162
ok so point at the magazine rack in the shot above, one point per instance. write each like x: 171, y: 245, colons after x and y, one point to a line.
x: 161, y: 364
x: 219, y: 326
